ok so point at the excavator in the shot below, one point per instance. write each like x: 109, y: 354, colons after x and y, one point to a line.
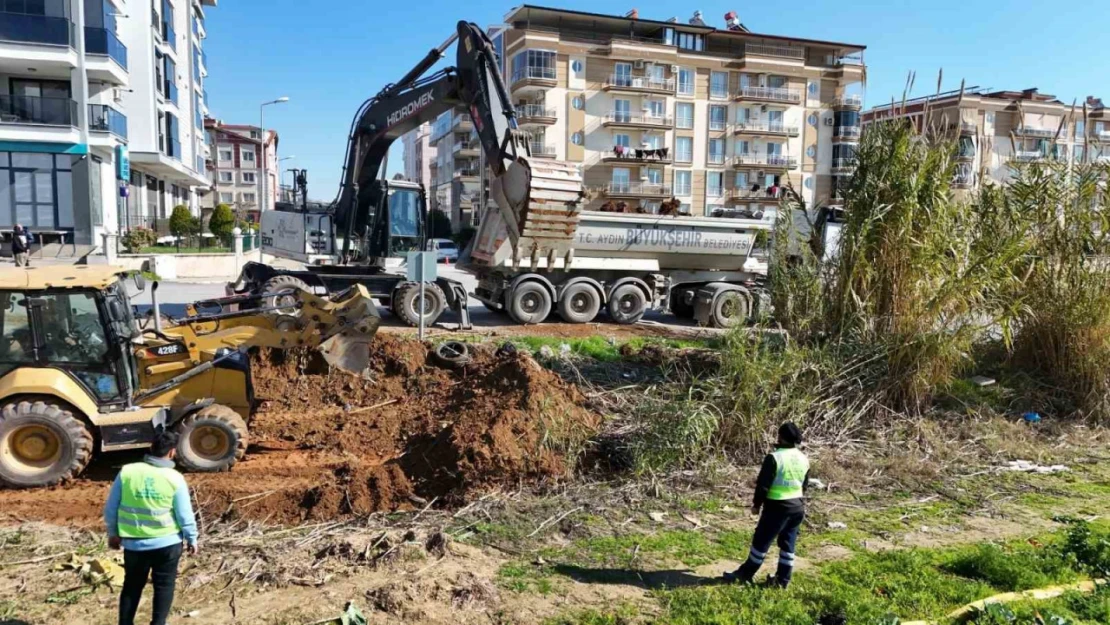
x: 79, y: 373
x: 373, y: 220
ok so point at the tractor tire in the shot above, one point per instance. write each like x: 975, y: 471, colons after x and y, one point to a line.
x: 283, y: 283
x: 730, y: 309
x: 627, y: 304
x: 212, y: 439
x: 41, y: 443
x: 579, y: 303
x: 529, y: 303
x: 406, y: 303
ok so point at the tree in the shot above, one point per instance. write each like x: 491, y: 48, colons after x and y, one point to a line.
x: 222, y: 222
x: 439, y: 224
x: 182, y: 223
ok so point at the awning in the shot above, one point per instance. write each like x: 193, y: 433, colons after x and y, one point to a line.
x: 171, y: 169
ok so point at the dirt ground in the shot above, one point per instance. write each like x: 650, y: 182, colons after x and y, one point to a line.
x: 327, y: 445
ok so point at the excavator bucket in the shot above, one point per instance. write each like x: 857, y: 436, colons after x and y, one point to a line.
x: 347, y: 345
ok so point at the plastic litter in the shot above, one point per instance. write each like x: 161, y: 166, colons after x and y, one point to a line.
x: 1025, y: 466
x: 837, y: 525
x: 1031, y: 417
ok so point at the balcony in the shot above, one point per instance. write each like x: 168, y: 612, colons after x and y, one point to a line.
x: 104, y: 41
x: 103, y: 118
x: 769, y: 161
x: 535, y: 115
x: 747, y: 195
x: 969, y: 128
x: 639, y: 84
x: 620, y: 119
x: 717, y: 160
x: 542, y: 150
x: 962, y: 181
x: 1027, y: 156
x: 770, y: 94
x: 198, y: 28
x: 539, y: 77
x: 169, y: 90
x: 1041, y: 133
x: 965, y: 155
x: 36, y: 29
x: 848, y: 102
x: 466, y: 148
x: 171, y: 149
x: 843, y: 165
x: 636, y: 190
x: 1101, y: 135
x: 20, y: 109
x: 766, y: 128
x: 782, y: 52
x: 468, y: 173
x: 631, y: 156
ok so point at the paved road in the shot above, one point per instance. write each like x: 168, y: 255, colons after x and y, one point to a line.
x: 174, y: 295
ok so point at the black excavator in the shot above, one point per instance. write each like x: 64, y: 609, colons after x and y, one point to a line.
x: 373, y: 220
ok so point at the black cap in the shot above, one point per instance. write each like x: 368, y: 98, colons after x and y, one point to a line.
x: 790, y: 434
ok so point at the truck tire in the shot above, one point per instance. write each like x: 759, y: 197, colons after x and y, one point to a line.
x: 283, y: 283
x: 406, y: 303
x: 579, y: 303
x: 41, y: 443
x: 627, y: 304
x: 680, y: 307
x: 529, y: 302
x: 730, y: 309
x: 212, y: 439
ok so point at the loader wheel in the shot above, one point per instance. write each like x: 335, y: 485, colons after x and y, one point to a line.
x: 407, y: 305
x: 284, y: 283
x: 212, y: 439
x: 41, y: 443
x: 730, y: 310
x: 529, y: 302
x: 627, y: 304
x: 579, y: 303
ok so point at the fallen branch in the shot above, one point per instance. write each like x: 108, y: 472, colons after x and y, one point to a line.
x: 35, y: 560
x: 378, y: 405
x: 551, y: 520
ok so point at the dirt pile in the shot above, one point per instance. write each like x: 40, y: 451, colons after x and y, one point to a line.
x: 327, y: 444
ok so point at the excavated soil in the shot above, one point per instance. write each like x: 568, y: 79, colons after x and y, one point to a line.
x: 406, y: 434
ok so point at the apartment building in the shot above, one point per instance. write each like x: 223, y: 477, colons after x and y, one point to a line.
x: 719, y: 118
x: 235, y: 171
x: 89, y: 114
x: 419, y: 155
x: 999, y: 128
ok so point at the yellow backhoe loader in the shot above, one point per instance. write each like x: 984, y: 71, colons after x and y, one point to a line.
x: 77, y: 373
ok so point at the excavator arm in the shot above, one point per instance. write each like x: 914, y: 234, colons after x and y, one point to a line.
x: 537, y: 199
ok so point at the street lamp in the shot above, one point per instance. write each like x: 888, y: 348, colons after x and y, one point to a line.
x: 263, y: 204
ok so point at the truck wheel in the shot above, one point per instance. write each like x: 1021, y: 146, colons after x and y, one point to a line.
x: 212, y: 439
x: 284, y: 283
x: 680, y: 307
x: 729, y: 310
x: 407, y: 305
x: 529, y: 302
x: 627, y: 304
x: 579, y: 303
x: 41, y: 443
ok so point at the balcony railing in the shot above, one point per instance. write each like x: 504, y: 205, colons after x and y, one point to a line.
x: 962, y: 180
x: 104, y: 41
x: 542, y: 149
x: 846, y: 132
x: 768, y: 128
x: 534, y: 73
x: 103, y: 118
x: 969, y: 128
x: 637, y: 189
x: 200, y: 164
x: 23, y: 28
x: 22, y: 109
x: 470, y: 146
x: 844, y: 164
x: 1101, y: 135
x: 854, y: 101
x: 715, y: 159
x: 786, y: 52
x: 965, y: 155
x: 1035, y: 132
x: 640, y: 83
x: 534, y: 111
x: 1029, y: 155
x: 717, y: 125
x: 638, y: 119
x: 768, y: 160
x: 748, y: 194
x: 772, y: 94
x: 174, y: 149
x: 468, y: 172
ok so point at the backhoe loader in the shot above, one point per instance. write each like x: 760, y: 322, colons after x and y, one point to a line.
x: 78, y: 374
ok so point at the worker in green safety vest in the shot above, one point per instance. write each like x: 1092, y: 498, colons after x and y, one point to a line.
x: 149, y: 514
x: 780, y: 495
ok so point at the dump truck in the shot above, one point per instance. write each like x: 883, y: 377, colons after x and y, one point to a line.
x: 81, y: 374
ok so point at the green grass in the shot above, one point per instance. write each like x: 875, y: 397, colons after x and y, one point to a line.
x: 599, y: 347
x: 690, y: 548
x: 169, y: 249
x: 526, y: 577
x: 1075, y: 608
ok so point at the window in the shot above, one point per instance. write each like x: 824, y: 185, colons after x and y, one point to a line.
x: 656, y: 75
x: 743, y: 146
x: 846, y: 118
x: 741, y: 181
x: 684, y: 149
x: 654, y: 176
x: 715, y: 183
x: 774, y: 149
x: 716, y: 151
x: 686, y: 41
x: 718, y: 85
x: 1080, y: 153
x: 227, y: 198
x: 534, y: 64
x: 685, y: 81
x: 249, y: 198
x: 776, y: 82
x: 36, y: 190
x: 718, y: 117
x: 621, y: 175
x: 576, y: 138
x: 249, y: 176
x: 578, y: 102
x: 247, y: 156
x: 227, y: 176
x: 652, y: 141
x: 622, y: 76
x: 774, y: 121
x: 684, y: 114
x: 622, y: 111
x: 622, y: 140
x: 1080, y: 129
x: 743, y: 116
x: 813, y: 89
x: 656, y: 109
x: 255, y: 134
x: 225, y: 155
x: 682, y: 182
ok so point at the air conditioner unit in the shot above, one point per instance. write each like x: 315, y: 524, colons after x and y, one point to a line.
x: 638, y: 64
x: 828, y: 121
x: 674, y: 69
x: 117, y: 94
x: 760, y: 174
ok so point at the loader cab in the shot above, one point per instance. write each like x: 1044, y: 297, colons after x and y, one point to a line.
x: 401, y: 227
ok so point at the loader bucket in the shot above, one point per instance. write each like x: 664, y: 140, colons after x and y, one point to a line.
x: 348, y: 347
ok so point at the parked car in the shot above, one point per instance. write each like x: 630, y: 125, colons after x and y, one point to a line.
x: 445, y: 249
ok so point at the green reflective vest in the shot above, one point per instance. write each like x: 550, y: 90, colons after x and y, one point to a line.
x: 792, y: 466
x: 146, y: 505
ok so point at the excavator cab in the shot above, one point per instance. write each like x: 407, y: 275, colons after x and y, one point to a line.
x: 400, y: 221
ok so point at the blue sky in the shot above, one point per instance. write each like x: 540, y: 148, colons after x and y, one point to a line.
x: 329, y: 56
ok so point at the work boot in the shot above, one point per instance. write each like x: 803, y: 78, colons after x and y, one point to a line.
x: 782, y: 577
x: 740, y: 576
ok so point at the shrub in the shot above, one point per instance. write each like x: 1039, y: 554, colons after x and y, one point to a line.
x: 183, y: 223
x: 135, y: 239
x: 222, y: 222
x: 463, y: 236
x: 439, y: 224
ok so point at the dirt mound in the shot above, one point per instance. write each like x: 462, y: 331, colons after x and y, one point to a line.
x: 327, y: 444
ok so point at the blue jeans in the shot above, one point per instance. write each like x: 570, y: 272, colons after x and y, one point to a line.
x: 774, y: 523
